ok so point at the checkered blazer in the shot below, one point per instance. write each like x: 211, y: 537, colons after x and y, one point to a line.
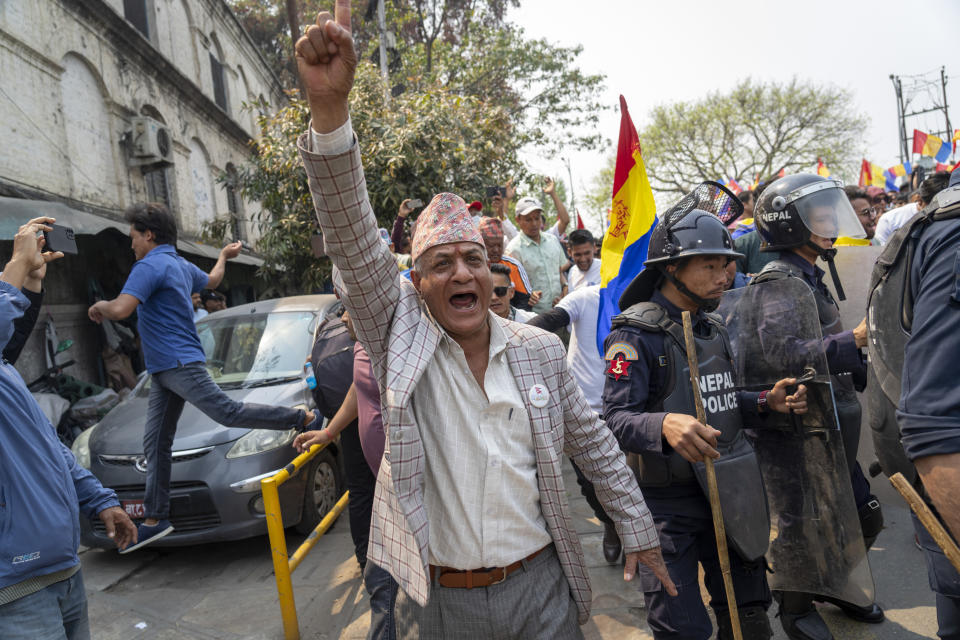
x: 393, y: 326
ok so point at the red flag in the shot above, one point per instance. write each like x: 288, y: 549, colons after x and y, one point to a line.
x: 579, y: 221
x: 919, y: 140
x: 781, y: 173
x: 864, y: 173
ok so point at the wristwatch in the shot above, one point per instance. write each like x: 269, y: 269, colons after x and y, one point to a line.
x: 762, y: 402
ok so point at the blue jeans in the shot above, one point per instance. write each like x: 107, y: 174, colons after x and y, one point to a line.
x: 192, y: 383
x: 383, y: 596
x: 58, y: 612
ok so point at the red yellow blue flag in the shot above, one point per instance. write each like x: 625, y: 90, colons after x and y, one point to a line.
x: 930, y: 145
x: 632, y: 218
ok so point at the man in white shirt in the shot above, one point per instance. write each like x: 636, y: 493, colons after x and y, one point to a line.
x: 892, y: 220
x: 585, y: 271
x: 579, y: 312
x: 470, y: 514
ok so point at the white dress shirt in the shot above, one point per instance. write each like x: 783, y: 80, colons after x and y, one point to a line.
x: 480, y: 486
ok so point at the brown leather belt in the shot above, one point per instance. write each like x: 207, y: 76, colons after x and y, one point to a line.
x: 471, y: 578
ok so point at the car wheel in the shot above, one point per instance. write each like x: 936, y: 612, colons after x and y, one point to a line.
x: 323, y: 488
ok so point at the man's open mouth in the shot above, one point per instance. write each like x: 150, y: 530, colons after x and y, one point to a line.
x: 464, y: 301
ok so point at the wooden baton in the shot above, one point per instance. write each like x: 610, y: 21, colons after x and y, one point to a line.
x: 714, y: 493
x: 925, y: 514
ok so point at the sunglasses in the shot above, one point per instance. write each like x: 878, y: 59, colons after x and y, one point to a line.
x: 500, y: 291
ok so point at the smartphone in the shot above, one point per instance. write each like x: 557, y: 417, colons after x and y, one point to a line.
x: 60, y: 238
x: 496, y: 191
x: 415, y: 204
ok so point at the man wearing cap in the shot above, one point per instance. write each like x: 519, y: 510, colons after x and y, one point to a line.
x: 470, y: 514
x: 491, y: 230
x: 540, y: 253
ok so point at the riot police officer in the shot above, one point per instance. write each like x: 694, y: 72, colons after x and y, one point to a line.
x: 914, y: 314
x: 801, y: 216
x: 648, y: 403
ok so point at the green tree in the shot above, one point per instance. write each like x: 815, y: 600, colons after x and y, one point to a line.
x: 754, y: 129
x: 419, y: 145
x: 467, y: 46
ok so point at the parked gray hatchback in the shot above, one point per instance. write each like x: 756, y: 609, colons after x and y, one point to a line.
x: 256, y: 353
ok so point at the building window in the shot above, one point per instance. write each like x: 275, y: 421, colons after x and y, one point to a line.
x: 219, y: 82
x: 158, y: 186
x: 135, y: 12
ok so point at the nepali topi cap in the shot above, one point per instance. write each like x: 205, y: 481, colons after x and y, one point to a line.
x: 444, y: 221
x: 490, y: 228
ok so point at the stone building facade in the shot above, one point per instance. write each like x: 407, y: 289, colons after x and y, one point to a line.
x: 106, y: 103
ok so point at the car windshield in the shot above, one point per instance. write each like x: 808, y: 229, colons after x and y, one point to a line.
x: 258, y: 348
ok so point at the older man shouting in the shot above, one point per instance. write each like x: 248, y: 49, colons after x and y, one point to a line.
x: 470, y: 514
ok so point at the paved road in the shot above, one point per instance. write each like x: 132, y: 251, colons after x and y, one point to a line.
x: 227, y: 591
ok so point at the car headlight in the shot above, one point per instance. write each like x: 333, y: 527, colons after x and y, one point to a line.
x: 260, y: 440
x: 81, y: 447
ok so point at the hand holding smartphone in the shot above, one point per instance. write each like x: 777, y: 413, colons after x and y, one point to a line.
x: 60, y: 238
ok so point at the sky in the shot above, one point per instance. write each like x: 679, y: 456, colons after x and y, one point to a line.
x: 661, y: 51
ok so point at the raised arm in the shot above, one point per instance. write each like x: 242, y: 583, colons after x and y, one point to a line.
x: 326, y: 60
x: 229, y: 252
x: 563, y: 217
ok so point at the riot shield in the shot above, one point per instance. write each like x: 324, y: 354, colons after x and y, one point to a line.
x: 816, y: 545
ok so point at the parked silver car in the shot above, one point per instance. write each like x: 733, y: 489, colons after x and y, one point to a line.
x: 255, y: 352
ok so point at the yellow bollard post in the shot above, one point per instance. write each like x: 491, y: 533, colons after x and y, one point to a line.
x: 278, y: 547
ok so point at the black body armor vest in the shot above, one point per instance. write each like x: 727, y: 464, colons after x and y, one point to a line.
x: 742, y: 495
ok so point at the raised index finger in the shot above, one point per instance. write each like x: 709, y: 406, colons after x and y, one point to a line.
x: 342, y: 14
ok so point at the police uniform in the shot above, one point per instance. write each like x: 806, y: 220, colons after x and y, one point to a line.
x: 789, y: 212
x: 914, y: 339
x: 645, y: 382
x: 647, y: 377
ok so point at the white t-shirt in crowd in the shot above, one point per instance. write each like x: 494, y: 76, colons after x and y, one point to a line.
x: 583, y: 358
x: 892, y: 220
x: 509, y: 230
x: 579, y: 279
x: 520, y: 315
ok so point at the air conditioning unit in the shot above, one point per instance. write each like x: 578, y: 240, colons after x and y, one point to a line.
x: 150, y: 142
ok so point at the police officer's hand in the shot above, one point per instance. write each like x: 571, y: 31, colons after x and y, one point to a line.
x: 653, y: 559
x: 779, y: 401
x: 689, y: 438
x: 860, y: 334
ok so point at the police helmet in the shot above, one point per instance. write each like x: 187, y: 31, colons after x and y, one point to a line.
x: 689, y: 228
x: 794, y: 207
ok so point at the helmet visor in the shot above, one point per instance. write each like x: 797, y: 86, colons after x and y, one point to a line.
x: 828, y: 213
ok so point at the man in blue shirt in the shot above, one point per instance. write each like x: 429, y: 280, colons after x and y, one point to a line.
x: 42, y: 488
x: 160, y: 284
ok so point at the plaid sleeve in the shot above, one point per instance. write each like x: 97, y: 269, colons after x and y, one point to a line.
x: 368, y: 269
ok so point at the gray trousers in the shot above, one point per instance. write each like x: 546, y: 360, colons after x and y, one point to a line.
x: 533, y: 602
